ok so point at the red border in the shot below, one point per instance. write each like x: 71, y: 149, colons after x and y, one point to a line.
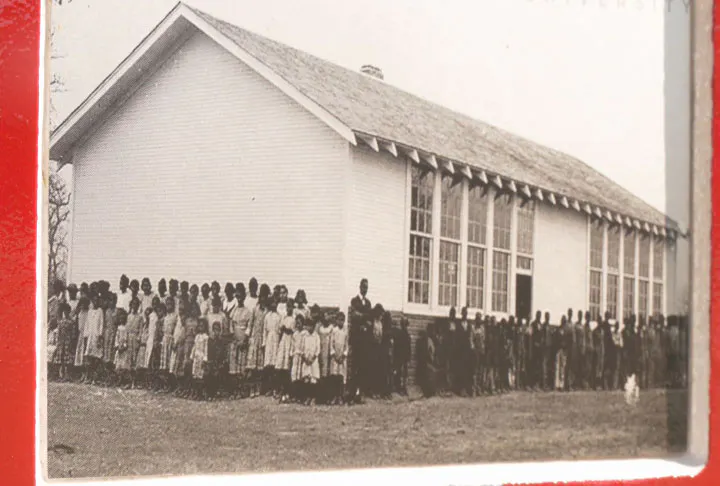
x: 19, y: 67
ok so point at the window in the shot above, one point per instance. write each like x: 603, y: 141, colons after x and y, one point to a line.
x: 502, y: 223
x: 595, y: 293
x: 629, y: 254
x: 476, y: 278
x: 477, y: 216
x: 525, y: 228
x: 449, y: 273
x: 500, y: 281
x: 644, y: 258
x: 612, y: 295
x: 613, y: 258
x: 450, y: 208
x: 477, y: 235
x: 628, y: 296
x: 420, y: 261
x: 596, y: 245
x: 422, y: 200
x: 524, y: 263
x: 643, y: 298
x: 658, y: 260
x: 419, y: 270
x: 657, y: 304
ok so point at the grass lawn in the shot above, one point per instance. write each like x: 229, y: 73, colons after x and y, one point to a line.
x: 129, y: 433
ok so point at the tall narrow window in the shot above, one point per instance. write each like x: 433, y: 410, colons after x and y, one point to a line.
x: 451, y: 212
x: 643, y: 276
x: 502, y: 231
x: 597, y: 243
x: 525, y: 235
x: 658, y: 274
x: 629, y: 274
x: 420, y: 261
x: 477, y: 234
x: 613, y: 270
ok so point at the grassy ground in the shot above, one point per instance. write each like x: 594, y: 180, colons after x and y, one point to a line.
x: 129, y: 433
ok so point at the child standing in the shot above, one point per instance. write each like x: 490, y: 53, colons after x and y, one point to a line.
x: 311, y: 367
x: 52, y: 344
x: 147, y: 295
x: 296, y: 376
x: 64, y: 355
x: 134, y: 327
x: 256, y: 358
x: 94, y: 331
x: 324, y: 332
x: 215, y: 360
x: 177, y: 358
x: 271, y: 339
x: 83, y: 308
x: 169, y: 322
x: 109, y: 330
x: 199, y: 356
x: 192, y: 325
x: 301, y: 302
x: 338, y: 358
x: 122, y: 350
x: 240, y: 318
x: 283, y: 359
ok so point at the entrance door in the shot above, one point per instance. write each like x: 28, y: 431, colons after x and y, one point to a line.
x: 523, y: 296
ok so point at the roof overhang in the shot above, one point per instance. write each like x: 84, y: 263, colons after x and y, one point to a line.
x: 162, y: 41
x: 485, y: 176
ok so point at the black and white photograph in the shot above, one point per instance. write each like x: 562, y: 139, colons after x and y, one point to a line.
x: 308, y: 235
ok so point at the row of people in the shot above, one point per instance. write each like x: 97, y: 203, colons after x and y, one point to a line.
x: 201, y: 344
x: 487, y: 356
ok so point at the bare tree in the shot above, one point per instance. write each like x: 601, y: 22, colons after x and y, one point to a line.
x: 58, y: 193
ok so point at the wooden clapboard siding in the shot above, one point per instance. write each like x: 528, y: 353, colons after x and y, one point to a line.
x: 209, y: 172
x: 375, y: 235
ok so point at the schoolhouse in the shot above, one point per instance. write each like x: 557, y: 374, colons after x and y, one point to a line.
x: 213, y: 153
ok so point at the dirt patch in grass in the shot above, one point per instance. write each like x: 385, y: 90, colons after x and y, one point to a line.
x: 111, y: 433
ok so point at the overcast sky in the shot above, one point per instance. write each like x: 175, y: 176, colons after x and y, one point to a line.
x: 582, y: 76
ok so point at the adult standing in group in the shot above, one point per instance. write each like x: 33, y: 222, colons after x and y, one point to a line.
x: 360, y: 334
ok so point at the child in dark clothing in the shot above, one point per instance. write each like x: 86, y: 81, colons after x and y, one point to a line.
x: 215, y: 361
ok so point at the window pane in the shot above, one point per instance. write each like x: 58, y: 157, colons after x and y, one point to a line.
x: 613, y: 259
x: 524, y: 263
x: 643, y: 298
x: 502, y: 223
x: 500, y: 281
x: 658, y: 260
x: 596, y: 246
x: 449, y: 273
x: 595, y: 293
x: 476, y: 277
x: 477, y: 216
x: 450, y: 209
x: 525, y: 228
x: 419, y: 273
x: 629, y: 254
x: 657, y: 298
x: 421, y: 201
x: 612, y: 295
x: 628, y: 296
x: 644, y: 258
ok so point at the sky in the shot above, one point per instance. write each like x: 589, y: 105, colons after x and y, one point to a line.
x: 585, y: 77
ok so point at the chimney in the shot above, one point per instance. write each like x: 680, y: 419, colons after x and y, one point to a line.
x: 373, y: 71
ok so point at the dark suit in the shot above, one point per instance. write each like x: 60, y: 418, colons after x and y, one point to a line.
x: 359, y: 340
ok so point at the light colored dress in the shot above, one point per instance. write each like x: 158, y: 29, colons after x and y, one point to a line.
x: 133, y: 328
x: 64, y: 354
x: 82, y: 338
x: 339, y: 349
x: 94, y: 330
x: 169, y: 323
x: 152, y: 325
x: 199, y: 355
x: 122, y: 350
x: 177, y: 358
x: 298, y: 346
x: 191, y: 324
x: 142, y: 355
x: 310, y: 365
x: 256, y: 359
x: 305, y: 312
x: 205, y: 307
x: 52, y: 344
x: 123, y: 301
x: 146, y: 301
x: 240, y: 318
x: 283, y: 359
x: 325, y: 335
x: 271, y: 337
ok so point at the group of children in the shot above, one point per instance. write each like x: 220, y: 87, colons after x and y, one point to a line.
x: 486, y: 356
x: 197, y: 343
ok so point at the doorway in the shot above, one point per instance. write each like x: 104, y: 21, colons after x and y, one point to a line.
x: 523, y: 296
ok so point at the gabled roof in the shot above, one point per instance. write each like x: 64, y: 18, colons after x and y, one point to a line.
x: 360, y: 107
